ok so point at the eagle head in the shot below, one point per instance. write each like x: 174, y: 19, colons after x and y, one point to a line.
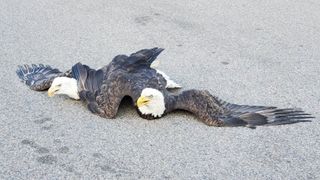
x: 64, y: 85
x: 151, y: 102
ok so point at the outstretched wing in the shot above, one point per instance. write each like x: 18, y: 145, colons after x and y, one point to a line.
x: 140, y: 61
x: 215, y: 112
x: 261, y: 115
x: 38, y: 77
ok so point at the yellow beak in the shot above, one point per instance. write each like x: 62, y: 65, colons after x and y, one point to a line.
x: 51, y: 91
x: 142, y: 101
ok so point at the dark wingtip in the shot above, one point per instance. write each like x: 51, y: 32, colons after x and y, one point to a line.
x: 290, y: 116
x: 157, y: 50
x: 21, y: 71
x: 32, y: 74
x: 288, y: 122
x: 155, y: 53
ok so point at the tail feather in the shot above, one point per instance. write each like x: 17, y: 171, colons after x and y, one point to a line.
x: 170, y: 84
x: 155, y: 64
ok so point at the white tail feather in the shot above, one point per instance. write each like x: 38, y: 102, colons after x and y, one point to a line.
x: 170, y: 83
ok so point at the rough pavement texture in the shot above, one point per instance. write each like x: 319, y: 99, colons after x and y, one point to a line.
x: 246, y: 52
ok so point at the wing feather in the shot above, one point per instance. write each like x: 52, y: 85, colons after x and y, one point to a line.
x: 141, y: 59
x: 213, y: 111
x: 38, y: 77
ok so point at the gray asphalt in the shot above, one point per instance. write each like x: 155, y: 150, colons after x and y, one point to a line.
x: 245, y: 52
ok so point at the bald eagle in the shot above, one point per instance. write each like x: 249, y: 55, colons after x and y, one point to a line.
x: 82, y: 82
x: 104, y: 89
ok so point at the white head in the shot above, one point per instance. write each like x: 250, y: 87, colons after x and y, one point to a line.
x: 151, y: 101
x: 64, y: 85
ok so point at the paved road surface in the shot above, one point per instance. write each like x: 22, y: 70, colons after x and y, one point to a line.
x: 247, y: 52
